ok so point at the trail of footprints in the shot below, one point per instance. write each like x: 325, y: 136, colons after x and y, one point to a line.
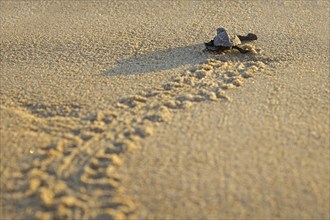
x: 76, y: 177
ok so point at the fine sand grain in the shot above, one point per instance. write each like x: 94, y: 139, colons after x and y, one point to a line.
x: 112, y: 110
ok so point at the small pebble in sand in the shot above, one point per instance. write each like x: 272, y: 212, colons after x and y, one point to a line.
x: 47, y: 196
x: 34, y: 185
x: 237, y: 82
x: 228, y: 86
x: 212, y: 96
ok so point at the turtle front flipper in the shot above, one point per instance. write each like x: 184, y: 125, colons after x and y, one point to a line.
x: 209, y: 43
x: 240, y: 49
x: 249, y: 37
x: 211, y: 47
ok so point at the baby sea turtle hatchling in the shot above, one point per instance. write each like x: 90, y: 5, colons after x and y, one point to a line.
x: 227, y: 41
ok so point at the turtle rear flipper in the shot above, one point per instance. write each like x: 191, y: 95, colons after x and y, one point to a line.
x: 240, y: 49
x: 249, y: 37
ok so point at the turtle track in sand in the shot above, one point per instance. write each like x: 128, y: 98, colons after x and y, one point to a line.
x: 75, y: 177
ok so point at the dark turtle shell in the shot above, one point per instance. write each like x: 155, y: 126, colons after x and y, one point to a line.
x: 225, y: 39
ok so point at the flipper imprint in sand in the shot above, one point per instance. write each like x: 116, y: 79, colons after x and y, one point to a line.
x: 76, y: 177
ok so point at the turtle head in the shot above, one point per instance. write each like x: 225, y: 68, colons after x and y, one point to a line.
x: 221, y: 29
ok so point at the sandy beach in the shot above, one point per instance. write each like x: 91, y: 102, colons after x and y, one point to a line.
x: 113, y: 110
